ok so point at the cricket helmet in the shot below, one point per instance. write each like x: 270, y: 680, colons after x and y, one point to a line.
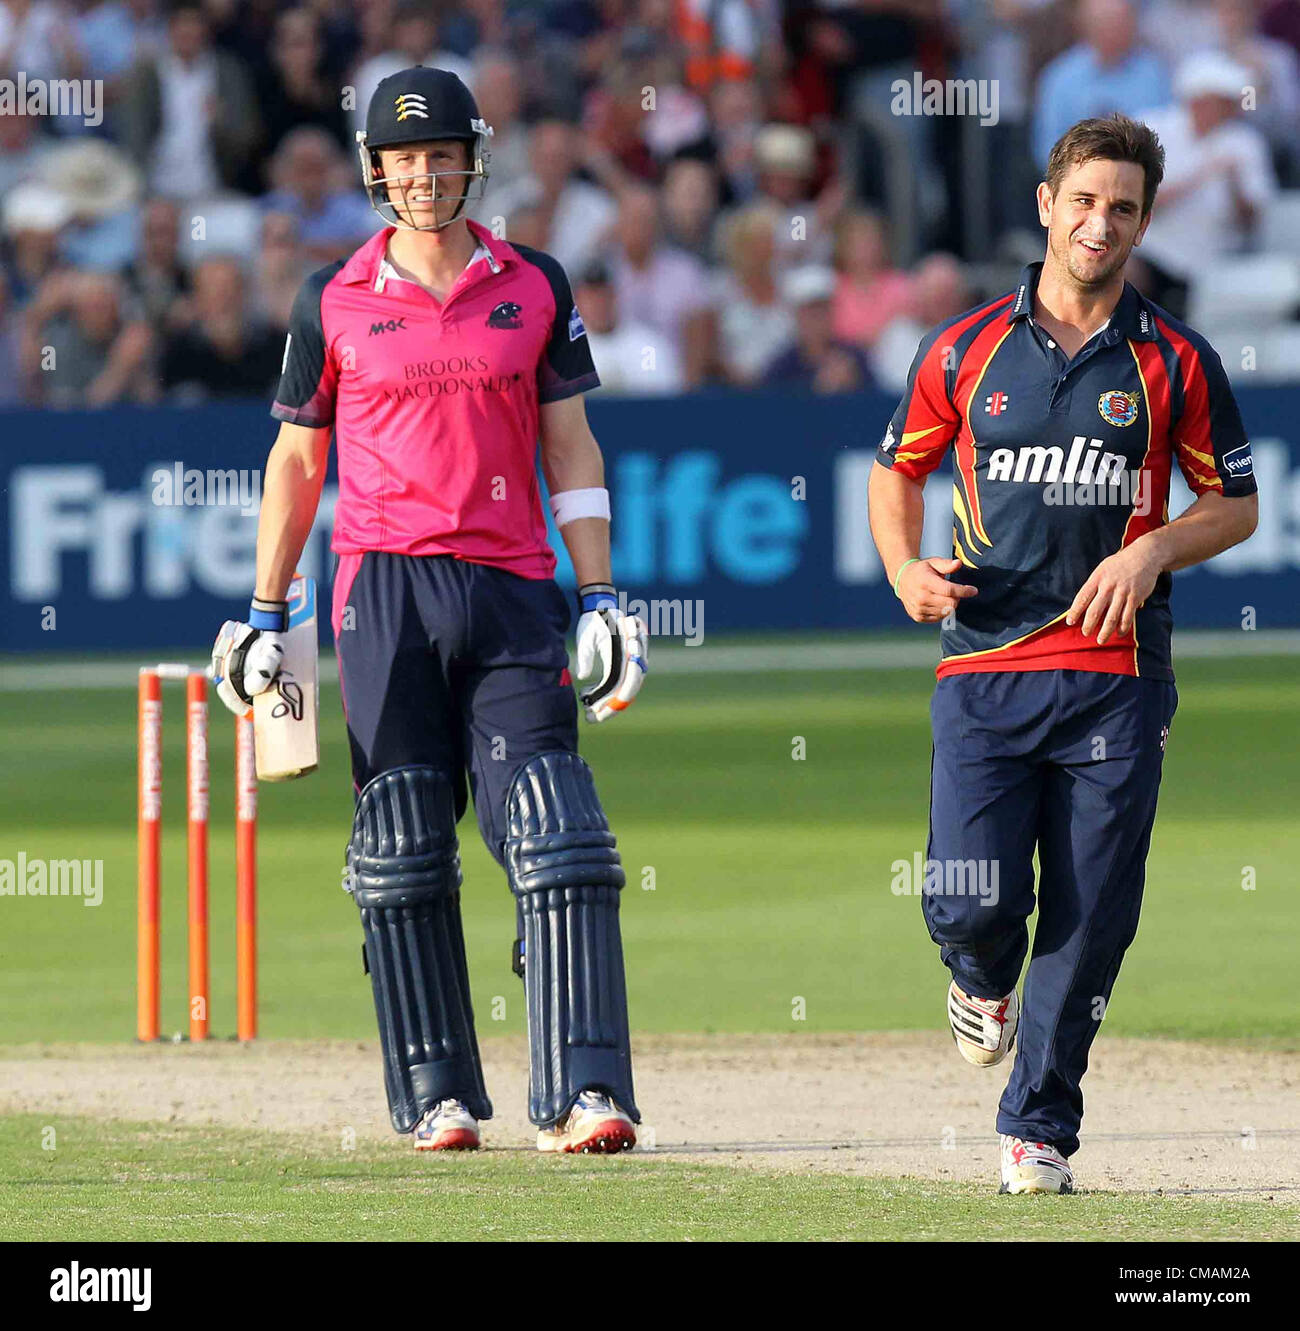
x: 413, y: 106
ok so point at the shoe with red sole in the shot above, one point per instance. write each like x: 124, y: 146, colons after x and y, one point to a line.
x: 984, y: 1028
x: 595, y: 1126
x: 447, y: 1126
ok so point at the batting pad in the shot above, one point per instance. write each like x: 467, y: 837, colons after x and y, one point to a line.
x: 566, y: 875
x: 405, y: 877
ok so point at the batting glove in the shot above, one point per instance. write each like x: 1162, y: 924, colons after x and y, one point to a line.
x: 614, y: 643
x: 246, y: 656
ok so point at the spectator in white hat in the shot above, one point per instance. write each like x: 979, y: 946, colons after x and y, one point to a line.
x: 1273, y: 66
x: 785, y: 158
x: 817, y: 361
x: 101, y: 186
x: 1218, y: 178
x: 34, y: 218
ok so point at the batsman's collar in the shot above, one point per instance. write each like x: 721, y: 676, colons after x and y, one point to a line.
x: 364, y: 266
x: 1132, y: 317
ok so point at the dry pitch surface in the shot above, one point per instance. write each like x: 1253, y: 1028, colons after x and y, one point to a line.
x: 1161, y: 1115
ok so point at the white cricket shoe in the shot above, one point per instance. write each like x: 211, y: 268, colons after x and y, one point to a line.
x: 594, y: 1126
x: 1033, y: 1167
x: 984, y: 1028
x: 446, y: 1126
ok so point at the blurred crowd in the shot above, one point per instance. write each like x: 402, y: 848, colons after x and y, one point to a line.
x: 728, y: 183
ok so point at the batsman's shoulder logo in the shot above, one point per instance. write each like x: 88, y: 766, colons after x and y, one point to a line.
x: 888, y: 443
x: 577, y: 328
x: 506, y: 315
x: 410, y: 105
x: 1118, y: 407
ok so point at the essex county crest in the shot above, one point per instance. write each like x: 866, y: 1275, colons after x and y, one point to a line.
x: 1118, y: 408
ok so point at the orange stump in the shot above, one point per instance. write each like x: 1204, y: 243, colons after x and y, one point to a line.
x: 196, y: 770
x: 245, y: 879
x: 149, y: 836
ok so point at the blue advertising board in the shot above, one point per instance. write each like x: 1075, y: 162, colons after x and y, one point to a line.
x: 136, y: 528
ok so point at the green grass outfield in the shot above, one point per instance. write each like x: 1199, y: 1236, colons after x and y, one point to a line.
x: 768, y: 909
x: 771, y: 876
x: 104, y: 1181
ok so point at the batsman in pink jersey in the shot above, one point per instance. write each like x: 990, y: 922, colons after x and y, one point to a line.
x: 439, y: 358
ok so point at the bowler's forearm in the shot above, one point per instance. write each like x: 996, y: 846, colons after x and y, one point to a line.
x: 1210, y: 526
x: 896, y: 509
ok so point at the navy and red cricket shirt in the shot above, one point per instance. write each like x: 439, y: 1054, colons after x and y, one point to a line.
x: 435, y: 405
x: 1058, y: 464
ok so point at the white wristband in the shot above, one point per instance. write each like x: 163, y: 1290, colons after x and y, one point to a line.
x: 571, y: 504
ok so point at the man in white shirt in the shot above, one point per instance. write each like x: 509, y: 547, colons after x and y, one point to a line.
x: 657, y: 284
x: 1218, y: 177
x: 630, y: 357
x: 184, y: 165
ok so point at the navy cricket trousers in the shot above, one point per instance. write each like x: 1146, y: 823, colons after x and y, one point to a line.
x: 456, y: 665
x: 1067, y: 763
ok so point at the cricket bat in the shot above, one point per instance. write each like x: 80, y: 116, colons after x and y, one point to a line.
x: 285, y: 717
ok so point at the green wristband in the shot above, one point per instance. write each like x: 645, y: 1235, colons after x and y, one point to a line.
x: 899, y: 574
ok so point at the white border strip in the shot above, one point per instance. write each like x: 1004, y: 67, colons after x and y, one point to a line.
x: 40, y: 674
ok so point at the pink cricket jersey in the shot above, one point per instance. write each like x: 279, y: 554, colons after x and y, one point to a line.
x: 435, y: 406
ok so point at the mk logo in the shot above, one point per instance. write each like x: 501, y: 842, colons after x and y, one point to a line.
x: 388, y: 326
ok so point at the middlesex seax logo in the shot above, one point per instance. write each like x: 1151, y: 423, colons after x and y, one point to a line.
x: 1118, y: 408
x: 411, y: 104
x: 506, y: 315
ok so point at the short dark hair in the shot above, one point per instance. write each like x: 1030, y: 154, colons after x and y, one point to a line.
x: 1112, y: 138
